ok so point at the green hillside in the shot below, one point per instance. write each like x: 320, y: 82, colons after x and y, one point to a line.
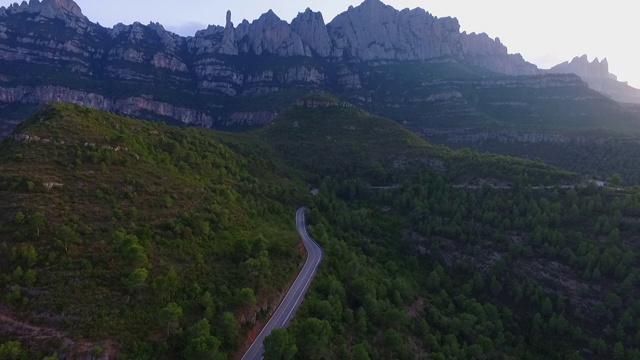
x: 107, y: 220
x: 433, y: 271
x: 456, y: 255
x: 144, y: 241
x: 337, y: 139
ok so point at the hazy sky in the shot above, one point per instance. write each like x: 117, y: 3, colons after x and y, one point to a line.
x: 545, y: 32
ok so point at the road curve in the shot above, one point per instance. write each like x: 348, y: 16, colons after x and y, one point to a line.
x: 292, y: 300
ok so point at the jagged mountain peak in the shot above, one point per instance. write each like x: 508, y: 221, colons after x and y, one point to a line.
x: 373, y: 3
x: 310, y: 14
x: 372, y: 7
x: 228, y: 20
x: 48, y: 8
x: 581, y: 66
x: 310, y: 26
x: 270, y: 15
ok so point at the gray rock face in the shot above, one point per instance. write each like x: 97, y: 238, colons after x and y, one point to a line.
x: 215, y: 40
x: 312, y: 30
x: 132, y: 106
x: 482, y: 51
x: 270, y: 35
x: 371, y: 31
x: 375, y: 31
x: 65, y: 10
x: 132, y: 39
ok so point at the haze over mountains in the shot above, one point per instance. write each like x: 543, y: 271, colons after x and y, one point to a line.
x: 596, y: 74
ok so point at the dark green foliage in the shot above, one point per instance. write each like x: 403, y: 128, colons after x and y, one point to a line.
x: 429, y: 252
x: 12, y: 350
x: 598, y: 154
x: 481, y: 272
x: 350, y: 144
x: 280, y: 345
x: 170, y: 317
x: 201, y: 344
x: 133, y: 216
x: 312, y: 339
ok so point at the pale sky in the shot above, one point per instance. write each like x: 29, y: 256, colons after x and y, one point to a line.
x: 545, y: 32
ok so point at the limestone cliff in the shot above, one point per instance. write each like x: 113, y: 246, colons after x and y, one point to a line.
x: 312, y: 30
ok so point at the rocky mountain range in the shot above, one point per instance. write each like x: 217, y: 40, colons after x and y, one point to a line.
x: 246, y: 74
x: 50, y: 51
x: 596, y: 74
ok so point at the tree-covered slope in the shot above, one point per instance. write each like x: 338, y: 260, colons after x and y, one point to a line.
x: 121, y: 233
x: 142, y: 240
x: 327, y: 137
x: 433, y: 271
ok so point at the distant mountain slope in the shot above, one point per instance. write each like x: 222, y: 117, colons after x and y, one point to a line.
x: 597, y: 75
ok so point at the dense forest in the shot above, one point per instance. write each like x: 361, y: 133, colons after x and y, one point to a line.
x: 139, y: 240
x: 596, y: 158
x: 428, y: 270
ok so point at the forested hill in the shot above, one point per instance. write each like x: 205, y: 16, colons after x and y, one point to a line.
x: 327, y: 137
x: 123, y: 235
x: 431, y: 266
x: 140, y: 240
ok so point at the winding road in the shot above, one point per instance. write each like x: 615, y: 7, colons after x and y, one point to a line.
x: 292, y: 300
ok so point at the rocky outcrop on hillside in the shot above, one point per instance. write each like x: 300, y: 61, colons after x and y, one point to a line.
x: 137, y: 106
x: 132, y: 106
x: 596, y: 74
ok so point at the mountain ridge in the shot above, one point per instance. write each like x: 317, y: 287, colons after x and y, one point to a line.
x: 244, y: 75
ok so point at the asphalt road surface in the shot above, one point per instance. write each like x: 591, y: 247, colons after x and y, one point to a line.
x: 292, y: 300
